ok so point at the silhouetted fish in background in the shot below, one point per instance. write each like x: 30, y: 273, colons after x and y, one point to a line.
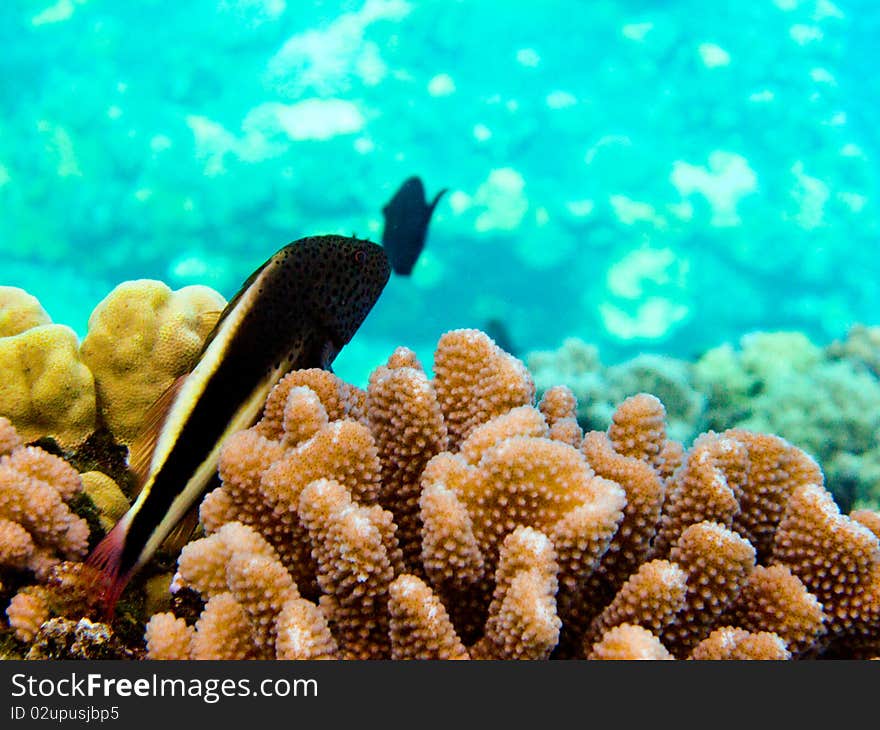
x: 407, y: 215
x: 497, y: 330
x: 296, y: 311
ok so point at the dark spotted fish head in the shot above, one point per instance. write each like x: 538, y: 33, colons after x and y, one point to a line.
x: 344, y: 277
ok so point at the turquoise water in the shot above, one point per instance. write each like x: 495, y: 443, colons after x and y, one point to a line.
x: 647, y: 176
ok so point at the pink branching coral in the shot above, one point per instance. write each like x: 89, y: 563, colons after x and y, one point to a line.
x: 37, y: 528
x: 451, y: 518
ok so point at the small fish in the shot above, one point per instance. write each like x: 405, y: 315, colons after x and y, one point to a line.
x: 407, y: 215
x: 497, y: 330
x: 296, y: 311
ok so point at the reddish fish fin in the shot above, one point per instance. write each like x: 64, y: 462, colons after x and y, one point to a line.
x: 141, y: 453
x: 183, y: 531
x: 106, y: 562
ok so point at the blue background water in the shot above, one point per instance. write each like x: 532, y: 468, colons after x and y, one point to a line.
x: 649, y: 176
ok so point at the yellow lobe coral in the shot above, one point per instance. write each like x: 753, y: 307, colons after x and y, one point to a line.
x: 738, y: 644
x: 46, y: 390
x: 628, y: 642
x: 106, y: 496
x: 476, y: 380
x: 141, y: 338
x: 19, y: 311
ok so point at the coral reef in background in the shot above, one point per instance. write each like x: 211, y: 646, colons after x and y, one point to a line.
x: 825, y: 401
x: 683, y: 225
x: 512, y: 536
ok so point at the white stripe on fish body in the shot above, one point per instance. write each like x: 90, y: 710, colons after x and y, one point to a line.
x: 182, y: 503
x: 196, y: 382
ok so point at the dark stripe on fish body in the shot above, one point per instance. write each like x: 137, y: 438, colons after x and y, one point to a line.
x: 253, y: 351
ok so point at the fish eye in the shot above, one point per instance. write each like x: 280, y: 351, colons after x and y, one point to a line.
x: 360, y: 256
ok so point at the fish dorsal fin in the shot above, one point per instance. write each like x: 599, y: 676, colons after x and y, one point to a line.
x: 182, y: 532
x: 141, y: 453
x: 436, y: 200
x: 230, y: 305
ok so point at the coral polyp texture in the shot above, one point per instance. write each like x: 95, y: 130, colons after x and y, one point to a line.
x: 46, y: 389
x: 37, y: 527
x: 456, y: 516
x: 141, y: 338
x: 505, y: 537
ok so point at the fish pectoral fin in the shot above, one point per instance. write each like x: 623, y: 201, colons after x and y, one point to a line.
x: 207, y: 321
x: 141, y: 452
x: 182, y: 532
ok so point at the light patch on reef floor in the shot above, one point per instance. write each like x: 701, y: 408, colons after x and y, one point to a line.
x: 646, y: 294
x: 441, y: 85
x: 269, y: 128
x: 59, y: 146
x: 528, y: 57
x: 713, y: 55
x: 502, y: 199
x: 630, y: 212
x: 560, y: 99
x: 810, y: 195
x: 723, y: 183
x: 57, y: 13
x: 636, y: 31
x: 325, y: 60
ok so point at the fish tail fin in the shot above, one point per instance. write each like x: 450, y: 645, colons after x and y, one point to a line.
x: 106, y: 563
